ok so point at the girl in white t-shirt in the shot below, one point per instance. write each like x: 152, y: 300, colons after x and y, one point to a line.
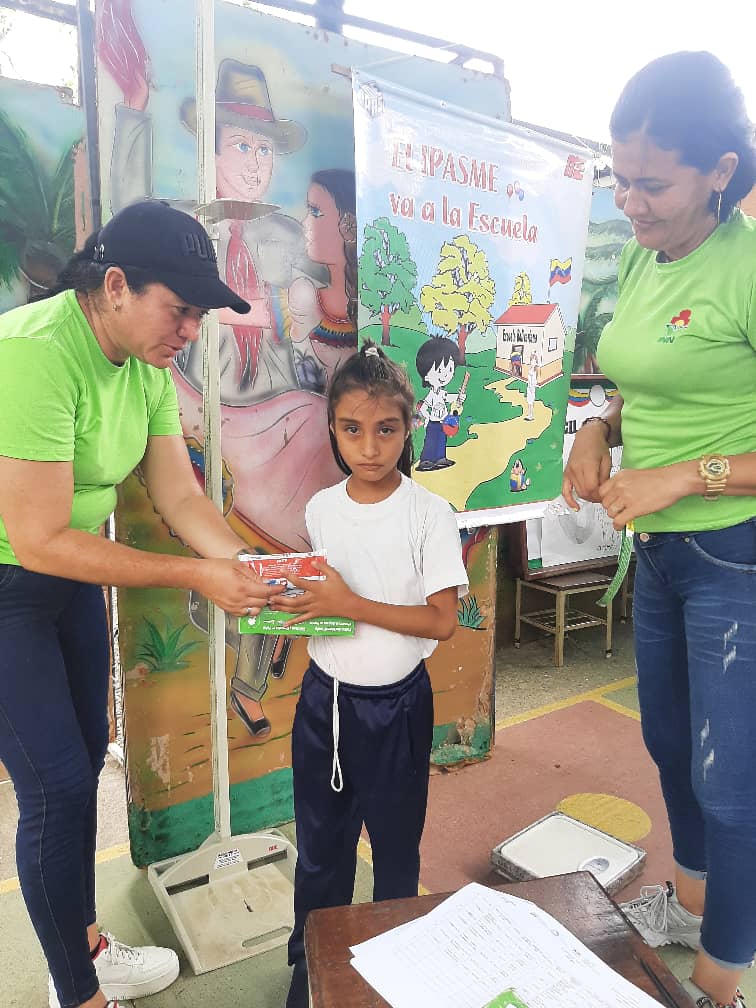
x: 364, y: 721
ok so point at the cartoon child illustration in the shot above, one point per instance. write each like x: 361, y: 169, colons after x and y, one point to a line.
x: 435, y: 362
x: 515, y: 360
x: 530, y: 393
x: 517, y: 478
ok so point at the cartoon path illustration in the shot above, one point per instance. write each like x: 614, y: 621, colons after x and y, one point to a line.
x: 489, y: 449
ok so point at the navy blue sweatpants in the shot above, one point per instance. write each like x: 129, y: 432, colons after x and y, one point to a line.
x: 385, y: 740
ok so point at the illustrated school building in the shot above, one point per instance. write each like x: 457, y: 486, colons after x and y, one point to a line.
x: 524, y: 330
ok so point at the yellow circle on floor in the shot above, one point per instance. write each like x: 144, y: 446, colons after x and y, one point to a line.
x: 616, y: 816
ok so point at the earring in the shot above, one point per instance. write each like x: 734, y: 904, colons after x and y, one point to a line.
x: 116, y: 307
x: 719, y: 207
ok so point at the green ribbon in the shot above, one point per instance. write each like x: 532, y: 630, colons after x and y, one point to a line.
x: 623, y: 562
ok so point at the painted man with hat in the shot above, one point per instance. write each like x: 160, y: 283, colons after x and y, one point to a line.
x: 262, y: 256
x: 259, y: 258
x: 275, y: 433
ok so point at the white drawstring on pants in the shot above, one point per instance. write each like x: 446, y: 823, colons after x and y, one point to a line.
x: 337, y: 780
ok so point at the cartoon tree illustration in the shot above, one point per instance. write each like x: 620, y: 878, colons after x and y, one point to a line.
x: 388, y: 273
x: 36, y: 210
x: 460, y: 295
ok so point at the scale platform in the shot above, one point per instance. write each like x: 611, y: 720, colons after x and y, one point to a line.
x: 229, y: 900
x: 558, y: 844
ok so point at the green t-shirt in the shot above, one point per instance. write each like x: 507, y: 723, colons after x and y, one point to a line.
x: 681, y: 348
x: 64, y: 401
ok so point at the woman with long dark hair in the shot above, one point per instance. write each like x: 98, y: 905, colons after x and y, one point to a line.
x: 324, y: 319
x: 681, y: 348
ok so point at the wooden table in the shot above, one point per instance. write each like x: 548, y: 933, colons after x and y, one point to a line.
x: 576, y: 900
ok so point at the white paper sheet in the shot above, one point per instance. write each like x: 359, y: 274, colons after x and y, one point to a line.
x: 480, y: 942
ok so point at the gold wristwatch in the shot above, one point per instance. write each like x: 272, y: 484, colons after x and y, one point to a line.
x: 714, y: 470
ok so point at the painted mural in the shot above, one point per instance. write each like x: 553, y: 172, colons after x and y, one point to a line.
x: 478, y: 229
x: 284, y: 141
x: 608, y: 231
x: 40, y: 153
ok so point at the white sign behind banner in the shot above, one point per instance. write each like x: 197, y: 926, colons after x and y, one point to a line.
x: 564, y: 536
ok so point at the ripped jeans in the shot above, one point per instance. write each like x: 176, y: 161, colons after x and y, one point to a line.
x: 694, y: 613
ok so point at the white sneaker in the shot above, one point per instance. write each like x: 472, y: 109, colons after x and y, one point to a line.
x: 662, y: 919
x: 125, y: 973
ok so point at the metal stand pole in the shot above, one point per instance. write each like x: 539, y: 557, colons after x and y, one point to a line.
x: 211, y: 407
x: 209, y: 895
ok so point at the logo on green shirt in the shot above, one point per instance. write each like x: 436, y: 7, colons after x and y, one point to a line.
x: 676, y: 325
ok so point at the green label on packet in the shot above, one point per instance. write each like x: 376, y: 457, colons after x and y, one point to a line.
x: 270, y: 621
x: 507, y: 999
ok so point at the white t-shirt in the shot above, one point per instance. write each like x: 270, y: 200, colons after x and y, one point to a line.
x: 398, y: 551
x: 435, y: 405
x: 532, y: 383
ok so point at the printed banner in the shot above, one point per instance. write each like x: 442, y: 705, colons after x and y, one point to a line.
x: 472, y: 239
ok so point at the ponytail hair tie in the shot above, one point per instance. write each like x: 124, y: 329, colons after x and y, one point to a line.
x: 372, y: 351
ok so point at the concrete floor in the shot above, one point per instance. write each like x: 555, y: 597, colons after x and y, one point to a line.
x: 526, y: 685
x: 526, y: 678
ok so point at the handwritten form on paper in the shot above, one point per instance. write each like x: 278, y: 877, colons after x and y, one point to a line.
x: 479, y: 943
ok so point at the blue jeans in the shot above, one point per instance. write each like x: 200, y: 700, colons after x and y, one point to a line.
x: 54, y: 661
x: 434, y: 445
x: 694, y: 612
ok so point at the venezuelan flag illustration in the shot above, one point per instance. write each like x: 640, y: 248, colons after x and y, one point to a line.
x: 582, y: 396
x: 560, y: 271
x: 579, y: 396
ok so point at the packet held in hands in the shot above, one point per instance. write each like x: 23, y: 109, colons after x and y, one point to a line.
x: 275, y: 569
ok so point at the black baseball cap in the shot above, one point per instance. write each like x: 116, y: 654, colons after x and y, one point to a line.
x: 172, y: 247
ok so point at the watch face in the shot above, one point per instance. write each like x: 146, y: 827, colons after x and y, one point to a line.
x: 716, y: 467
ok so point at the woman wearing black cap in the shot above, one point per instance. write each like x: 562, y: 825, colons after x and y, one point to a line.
x: 87, y: 396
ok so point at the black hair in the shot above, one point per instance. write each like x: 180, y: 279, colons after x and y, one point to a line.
x: 688, y: 102
x: 435, y: 351
x: 340, y: 184
x: 85, y: 275
x: 371, y: 371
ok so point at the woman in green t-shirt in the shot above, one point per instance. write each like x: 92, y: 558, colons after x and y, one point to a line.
x: 681, y: 348
x: 87, y: 396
